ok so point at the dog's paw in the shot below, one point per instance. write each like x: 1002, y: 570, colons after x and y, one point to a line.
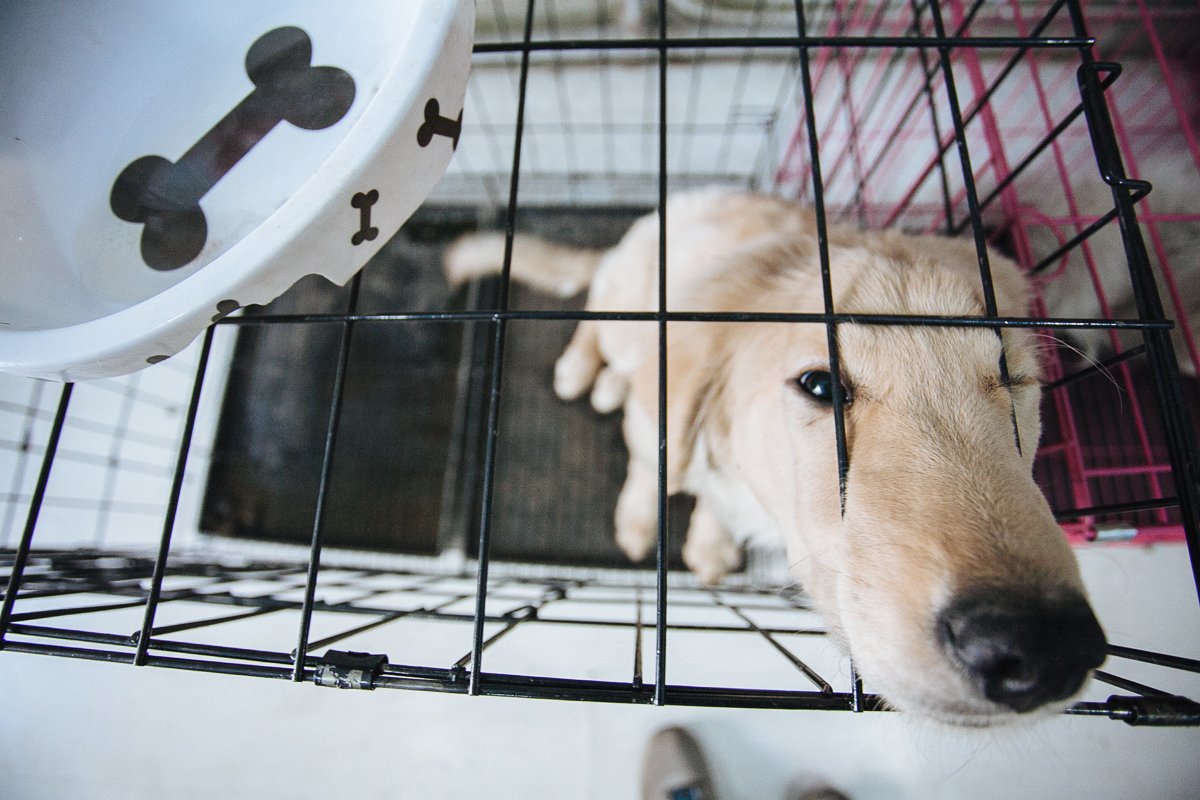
x: 609, y: 391
x: 635, y: 519
x: 573, y: 374
x: 711, y: 558
x: 636, y: 541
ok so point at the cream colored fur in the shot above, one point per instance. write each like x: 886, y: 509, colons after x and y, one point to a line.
x: 938, y: 498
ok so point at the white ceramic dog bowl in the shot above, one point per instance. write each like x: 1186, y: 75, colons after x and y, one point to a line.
x: 162, y: 164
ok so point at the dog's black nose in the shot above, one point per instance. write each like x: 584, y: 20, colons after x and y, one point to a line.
x: 1022, y: 650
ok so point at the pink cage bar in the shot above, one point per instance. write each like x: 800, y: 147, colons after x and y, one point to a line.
x: 888, y: 157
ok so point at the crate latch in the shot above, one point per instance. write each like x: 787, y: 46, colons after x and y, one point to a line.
x: 342, y: 669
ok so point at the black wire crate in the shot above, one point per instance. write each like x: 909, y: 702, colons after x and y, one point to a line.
x: 373, y: 486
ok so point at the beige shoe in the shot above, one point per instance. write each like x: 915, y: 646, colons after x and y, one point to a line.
x: 673, y: 768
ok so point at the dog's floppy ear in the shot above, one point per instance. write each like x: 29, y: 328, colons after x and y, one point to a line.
x: 695, y: 360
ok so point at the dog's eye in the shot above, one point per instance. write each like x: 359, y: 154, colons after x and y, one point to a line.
x: 818, y: 384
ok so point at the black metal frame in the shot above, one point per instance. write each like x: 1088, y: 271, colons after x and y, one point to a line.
x: 63, y: 574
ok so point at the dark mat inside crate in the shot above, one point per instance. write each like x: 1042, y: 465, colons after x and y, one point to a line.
x: 408, y: 466
x: 391, y: 447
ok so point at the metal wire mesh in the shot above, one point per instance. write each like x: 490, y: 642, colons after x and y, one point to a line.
x: 937, y: 117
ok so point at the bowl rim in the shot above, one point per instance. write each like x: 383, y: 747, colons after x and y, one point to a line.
x: 258, y: 267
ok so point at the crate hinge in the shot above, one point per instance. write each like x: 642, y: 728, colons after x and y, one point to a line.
x: 342, y: 669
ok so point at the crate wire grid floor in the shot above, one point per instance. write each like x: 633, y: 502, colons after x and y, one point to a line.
x: 314, y: 600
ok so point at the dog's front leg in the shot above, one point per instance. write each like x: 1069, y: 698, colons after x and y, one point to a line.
x: 579, y: 363
x: 709, y: 551
x: 637, y: 511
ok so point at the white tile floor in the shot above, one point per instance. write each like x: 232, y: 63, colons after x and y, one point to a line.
x: 82, y: 729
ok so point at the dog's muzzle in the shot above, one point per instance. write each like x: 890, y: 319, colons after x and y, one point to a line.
x: 1020, y: 649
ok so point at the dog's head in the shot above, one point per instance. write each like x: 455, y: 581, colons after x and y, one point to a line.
x: 945, y: 575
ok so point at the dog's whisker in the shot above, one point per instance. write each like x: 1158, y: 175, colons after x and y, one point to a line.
x: 1091, y: 360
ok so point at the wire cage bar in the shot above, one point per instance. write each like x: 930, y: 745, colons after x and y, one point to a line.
x: 1009, y: 122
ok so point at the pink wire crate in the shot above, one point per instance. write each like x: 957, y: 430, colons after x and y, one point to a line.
x: 889, y: 157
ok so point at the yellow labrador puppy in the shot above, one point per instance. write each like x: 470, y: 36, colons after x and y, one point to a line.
x: 946, y: 578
